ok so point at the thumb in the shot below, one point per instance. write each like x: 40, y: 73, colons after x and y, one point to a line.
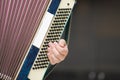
x: 62, y: 43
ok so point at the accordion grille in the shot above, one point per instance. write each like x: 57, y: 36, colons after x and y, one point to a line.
x: 19, y: 20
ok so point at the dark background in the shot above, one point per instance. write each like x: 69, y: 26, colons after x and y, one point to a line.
x: 94, y: 49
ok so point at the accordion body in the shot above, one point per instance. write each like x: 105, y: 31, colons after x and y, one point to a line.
x: 26, y: 28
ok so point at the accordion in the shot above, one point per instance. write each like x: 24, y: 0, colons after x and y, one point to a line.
x: 26, y: 28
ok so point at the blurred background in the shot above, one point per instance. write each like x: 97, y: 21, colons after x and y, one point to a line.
x: 94, y: 49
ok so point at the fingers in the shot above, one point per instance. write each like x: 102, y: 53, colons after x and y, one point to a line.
x: 57, y: 51
x: 62, y: 50
x: 51, y: 55
x: 61, y: 47
x: 52, y: 59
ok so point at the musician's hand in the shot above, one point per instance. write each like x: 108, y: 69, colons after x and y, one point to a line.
x: 57, y: 52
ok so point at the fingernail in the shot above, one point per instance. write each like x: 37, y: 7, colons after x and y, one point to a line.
x: 50, y: 44
x: 55, y: 43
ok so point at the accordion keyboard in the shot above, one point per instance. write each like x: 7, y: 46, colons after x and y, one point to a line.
x: 54, y: 34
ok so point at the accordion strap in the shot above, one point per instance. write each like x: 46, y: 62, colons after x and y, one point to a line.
x: 68, y: 30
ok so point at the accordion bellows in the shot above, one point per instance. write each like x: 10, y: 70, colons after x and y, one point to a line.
x: 19, y: 19
x: 19, y: 22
